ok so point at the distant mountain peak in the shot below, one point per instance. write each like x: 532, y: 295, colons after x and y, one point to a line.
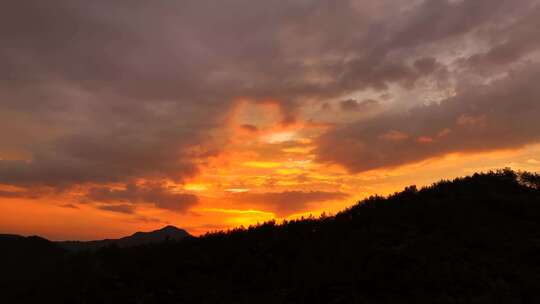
x: 167, y: 233
x: 170, y: 228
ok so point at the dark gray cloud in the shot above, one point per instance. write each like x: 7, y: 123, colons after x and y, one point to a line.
x: 349, y: 105
x: 502, y: 114
x: 12, y: 194
x: 249, y: 128
x: 120, y: 208
x: 69, y: 206
x: 132, y: 195
x: 285, y: 203
x: 493, y: 105
x: 508, y: 43
x: 433, y: 21
x: 33, y: 193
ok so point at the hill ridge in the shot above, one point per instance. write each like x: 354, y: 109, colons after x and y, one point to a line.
x: 474, y: 239
x: 165, y: 233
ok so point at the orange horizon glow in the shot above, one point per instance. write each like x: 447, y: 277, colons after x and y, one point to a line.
x: 121, y: 118
x: 275, y: 158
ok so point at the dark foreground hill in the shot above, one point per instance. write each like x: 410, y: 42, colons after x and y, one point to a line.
x: 26, y: 259
x: 26, y: 262
x: 471, y: 240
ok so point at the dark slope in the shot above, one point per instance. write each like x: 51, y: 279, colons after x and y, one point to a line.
x: 25, y: 262
x: 139, y: 238
x: 20, y: 256
x: 472, y: 240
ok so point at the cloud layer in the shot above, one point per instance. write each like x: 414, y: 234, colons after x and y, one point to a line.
x: 124, y: 200
x: 499, y: 115
x: 101, y: 94
x: 285, y: 203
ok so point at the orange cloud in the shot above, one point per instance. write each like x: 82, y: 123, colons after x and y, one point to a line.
x: 394, y: 135
x: 287, y: 202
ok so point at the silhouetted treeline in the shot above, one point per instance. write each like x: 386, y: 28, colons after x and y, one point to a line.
x: 471, y: 240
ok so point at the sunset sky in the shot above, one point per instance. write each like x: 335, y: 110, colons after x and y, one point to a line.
x: 121, y: 116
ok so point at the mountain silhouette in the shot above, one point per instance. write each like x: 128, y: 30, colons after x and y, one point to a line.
x: 474, y: 239
x: 167, y: 233
x: 24, y: 259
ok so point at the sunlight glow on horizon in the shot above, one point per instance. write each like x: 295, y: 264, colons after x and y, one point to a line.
x: 207, y: 116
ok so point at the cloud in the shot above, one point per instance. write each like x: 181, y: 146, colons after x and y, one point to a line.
x: 69, y: 206
x: 393, y: 135
x: 499, y: 115
x: 510, y: 42
x: 350, y: 105
x: 287, y: 202
x: 12, y: 194
x: 102, y: 92
x: 157, y: 195
x: 437, y: 20
x: 249, y: 128
x: 26, y: 193
x: 146, y: 219
x: 122, y: 208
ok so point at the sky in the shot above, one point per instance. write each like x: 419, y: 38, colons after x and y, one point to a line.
x: 122, y: 116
